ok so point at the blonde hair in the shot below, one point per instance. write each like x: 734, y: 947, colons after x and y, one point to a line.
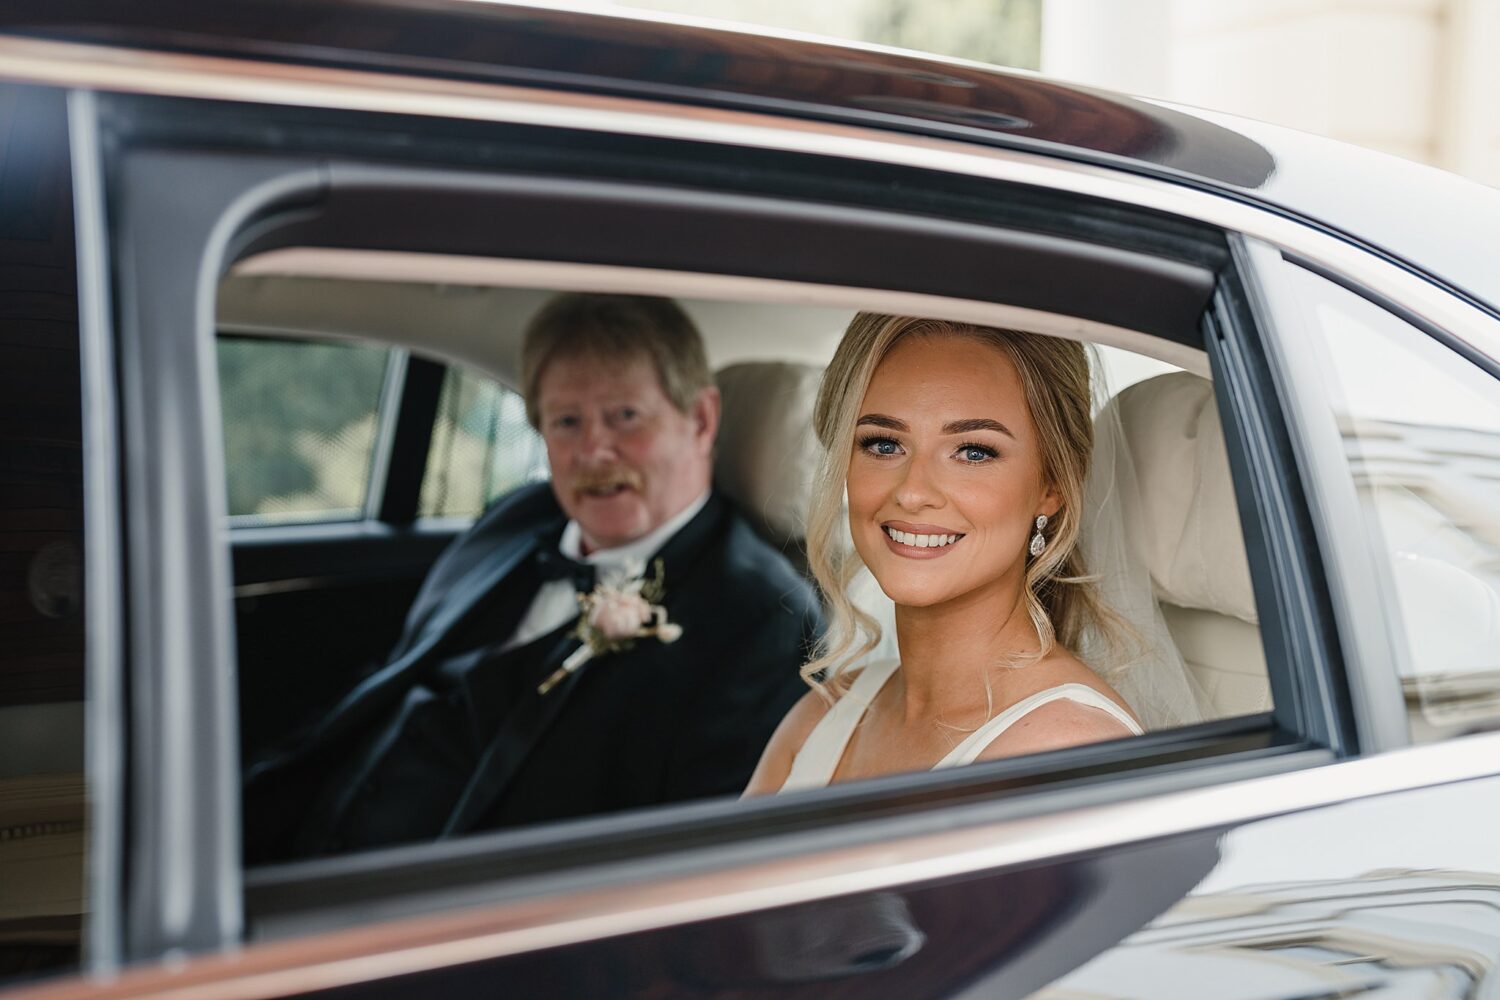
x: 616, y: 328
x: 1060, y: 598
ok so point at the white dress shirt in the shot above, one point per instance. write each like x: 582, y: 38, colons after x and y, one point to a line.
x: 556, y: 603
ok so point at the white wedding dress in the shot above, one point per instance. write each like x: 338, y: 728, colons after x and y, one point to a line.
x: 819, y: 757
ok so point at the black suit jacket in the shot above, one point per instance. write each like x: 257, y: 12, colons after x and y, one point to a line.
x: 656, y: 724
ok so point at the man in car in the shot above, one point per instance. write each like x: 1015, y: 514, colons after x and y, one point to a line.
x: 617, y: 638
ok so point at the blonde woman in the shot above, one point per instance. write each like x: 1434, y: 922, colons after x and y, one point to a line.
x: 963, y: 451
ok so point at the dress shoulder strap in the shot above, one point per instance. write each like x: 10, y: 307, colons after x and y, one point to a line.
x: 819, y: 757
x: 973, y: 745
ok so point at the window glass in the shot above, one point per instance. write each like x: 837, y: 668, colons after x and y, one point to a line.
x: 729, y: 583
x: 1421, y: 429
x: 300, y: 422
x: 43, y: 800
x: 482, y: 446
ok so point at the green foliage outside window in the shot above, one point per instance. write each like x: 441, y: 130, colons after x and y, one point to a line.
x: 482, y: 446
x: 299, y: 425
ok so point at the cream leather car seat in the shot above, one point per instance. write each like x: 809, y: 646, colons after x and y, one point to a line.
x: 1189, y: 532
x: 766, y: 453
x: 766, y: 458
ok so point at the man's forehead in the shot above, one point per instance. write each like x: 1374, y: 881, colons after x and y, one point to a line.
x: 576, y: 376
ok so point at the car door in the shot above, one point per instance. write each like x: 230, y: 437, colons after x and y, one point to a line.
x: 1017, y: 871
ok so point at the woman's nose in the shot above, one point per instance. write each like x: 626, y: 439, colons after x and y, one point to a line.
x: 917, y: 489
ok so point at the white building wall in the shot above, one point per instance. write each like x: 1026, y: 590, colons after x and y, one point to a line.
x: 1468, y: 134
x: 1417, y: 78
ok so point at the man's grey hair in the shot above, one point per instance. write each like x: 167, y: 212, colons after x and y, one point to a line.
x: 616, y: 328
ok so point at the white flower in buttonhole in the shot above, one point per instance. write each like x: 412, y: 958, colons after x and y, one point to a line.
x: 619, y: 614
x: 615, y: 614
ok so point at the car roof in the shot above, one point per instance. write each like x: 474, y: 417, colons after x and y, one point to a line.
x: 1433, y: 221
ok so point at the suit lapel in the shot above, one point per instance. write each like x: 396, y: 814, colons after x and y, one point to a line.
x: 469, y: 589
x: 508, y: 749
x: 534, y: 713
x: 681, y: 552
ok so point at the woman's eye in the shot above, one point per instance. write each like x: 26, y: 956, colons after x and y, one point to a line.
x: 880, y: 446
x: 975, y: 453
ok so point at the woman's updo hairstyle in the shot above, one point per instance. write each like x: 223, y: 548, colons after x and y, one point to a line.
x: 1055, y: 375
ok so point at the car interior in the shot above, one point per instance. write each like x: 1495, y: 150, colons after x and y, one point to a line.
x: 768, y: 359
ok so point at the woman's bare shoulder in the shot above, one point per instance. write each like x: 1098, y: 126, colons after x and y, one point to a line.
x: 1053, y: 726
x: 795, y: 727
x: 1063, y: 722
x: 804, y: 716
x: 1064, y: 667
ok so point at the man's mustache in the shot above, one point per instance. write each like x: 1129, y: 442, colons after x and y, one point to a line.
x: 605, y: 479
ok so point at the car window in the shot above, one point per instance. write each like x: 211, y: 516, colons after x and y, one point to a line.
x: 43, y: 793
x: 1190, y: 650
x: 301, y: 421
x: 1421, y: 432
x: 482, y: 447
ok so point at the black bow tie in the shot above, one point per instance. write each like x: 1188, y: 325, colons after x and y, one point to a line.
x: 553, y: 565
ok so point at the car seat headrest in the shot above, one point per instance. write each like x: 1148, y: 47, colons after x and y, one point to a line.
x: 1188, y: 523
x: 767, y: 454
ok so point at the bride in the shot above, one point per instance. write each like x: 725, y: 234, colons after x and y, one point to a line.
x: 964, y: 452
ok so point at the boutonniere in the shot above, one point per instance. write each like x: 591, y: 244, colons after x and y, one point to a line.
x: 612, y: 617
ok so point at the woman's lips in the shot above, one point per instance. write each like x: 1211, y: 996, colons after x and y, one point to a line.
x: 920, y: 545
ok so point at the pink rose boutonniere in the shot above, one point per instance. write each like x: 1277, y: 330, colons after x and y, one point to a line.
x: 612, y: 616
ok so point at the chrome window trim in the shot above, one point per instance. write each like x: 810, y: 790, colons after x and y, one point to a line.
x: 108, y: 68
x: 104, y: 637
x: 258, y: 522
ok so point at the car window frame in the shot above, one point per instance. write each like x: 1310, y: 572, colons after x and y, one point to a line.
x: 1368, y: 614
x: 917, y: 791
x: 1363, y: 592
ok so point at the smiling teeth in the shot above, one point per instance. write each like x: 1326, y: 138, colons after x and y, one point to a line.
x: 922, y: 541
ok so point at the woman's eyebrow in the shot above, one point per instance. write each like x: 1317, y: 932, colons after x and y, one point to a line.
x: 977, y: 424
x: 881, y: 420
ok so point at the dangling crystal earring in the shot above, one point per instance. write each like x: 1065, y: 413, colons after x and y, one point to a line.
x: 1038, y: 543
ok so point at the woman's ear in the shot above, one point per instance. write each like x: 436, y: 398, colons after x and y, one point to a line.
x: 1051, y: 502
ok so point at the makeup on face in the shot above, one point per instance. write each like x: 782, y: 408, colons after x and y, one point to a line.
x: 945, y: 476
